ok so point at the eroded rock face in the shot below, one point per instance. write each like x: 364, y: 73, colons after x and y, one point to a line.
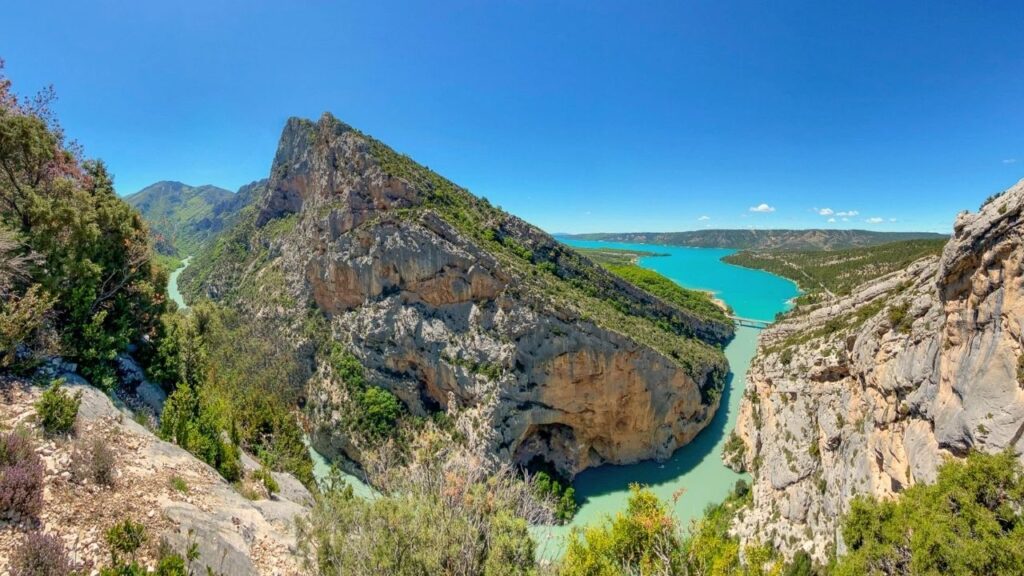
x: 438, y: 318
x: 872, y: 404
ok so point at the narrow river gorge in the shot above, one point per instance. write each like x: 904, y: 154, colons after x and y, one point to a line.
x: 694, y: 476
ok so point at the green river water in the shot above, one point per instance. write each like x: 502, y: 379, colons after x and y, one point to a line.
x: 694, y: 476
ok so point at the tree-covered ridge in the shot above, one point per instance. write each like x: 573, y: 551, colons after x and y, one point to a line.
x: 622, y: 263
x: 815, y: 239
x: 183, y: 218
x: 618, y: 256
x: 77, y: 276
x: 837, y: 272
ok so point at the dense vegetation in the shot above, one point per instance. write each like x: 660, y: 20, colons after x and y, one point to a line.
x: 440, y: 510
x: 76, y: 276
x: 968, y: 522
x: 374, y: 410
x: 837, y: 271
x: 230, y: 375
x: 764, y: 239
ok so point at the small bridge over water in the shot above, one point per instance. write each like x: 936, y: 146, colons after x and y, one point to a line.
x: 751, y: 322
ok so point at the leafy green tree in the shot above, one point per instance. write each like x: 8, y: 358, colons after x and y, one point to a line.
x: 89, y: 251
x: 643, y: 540
x: 194, y: 427
x: 380, y: 410
x: 57, y: 409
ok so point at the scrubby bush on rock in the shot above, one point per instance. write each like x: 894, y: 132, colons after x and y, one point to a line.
x: 41, y: 554
x: 57, y: 408
x: 21, y: 476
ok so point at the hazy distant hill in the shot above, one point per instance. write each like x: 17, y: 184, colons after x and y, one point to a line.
x: 182, y: 217
x: 763, y: 239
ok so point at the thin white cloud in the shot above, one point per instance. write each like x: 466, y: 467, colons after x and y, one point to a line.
x: 846, y: 219
x: 1010, y: 161
x: 831, y: 220
x: 875, y: 220
x: 825, y: 212
x: 703, y: 218
x: 848, y: 213
x: 762, y: 207
x: 892, y: 219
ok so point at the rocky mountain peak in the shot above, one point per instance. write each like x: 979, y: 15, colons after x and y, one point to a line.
x: 452, y: 304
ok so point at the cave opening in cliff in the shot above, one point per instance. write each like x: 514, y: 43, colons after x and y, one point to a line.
x: 548, y: 448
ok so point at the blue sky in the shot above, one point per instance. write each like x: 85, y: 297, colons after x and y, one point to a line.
x: 578, y: 116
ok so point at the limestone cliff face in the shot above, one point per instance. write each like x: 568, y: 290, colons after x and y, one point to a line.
x: 444, y: 300
x: 869, y: 394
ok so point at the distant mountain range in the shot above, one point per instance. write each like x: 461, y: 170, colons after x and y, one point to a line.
x: 182, y: 217
x: 815, y: 239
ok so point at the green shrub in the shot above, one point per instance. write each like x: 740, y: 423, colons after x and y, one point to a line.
x: 899, y: 317
x: 179, y: 484
x: 563, y: 497
x: 266, y: 478
x: 642, y: 540
x: 125, y: 538
x: 347, y: 367
x: 734, y: 450
x: 192, y: 425
x: 57, y: 409
x: 379, y: 411
x: 968, y: 522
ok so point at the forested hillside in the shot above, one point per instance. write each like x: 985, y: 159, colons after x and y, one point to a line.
x: 837, y: 272
x: 183, y: 218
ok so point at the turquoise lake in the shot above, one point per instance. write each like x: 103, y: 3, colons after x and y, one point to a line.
x: 695, y: 473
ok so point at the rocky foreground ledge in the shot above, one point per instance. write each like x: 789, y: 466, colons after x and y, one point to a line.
x: 178, y: 498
